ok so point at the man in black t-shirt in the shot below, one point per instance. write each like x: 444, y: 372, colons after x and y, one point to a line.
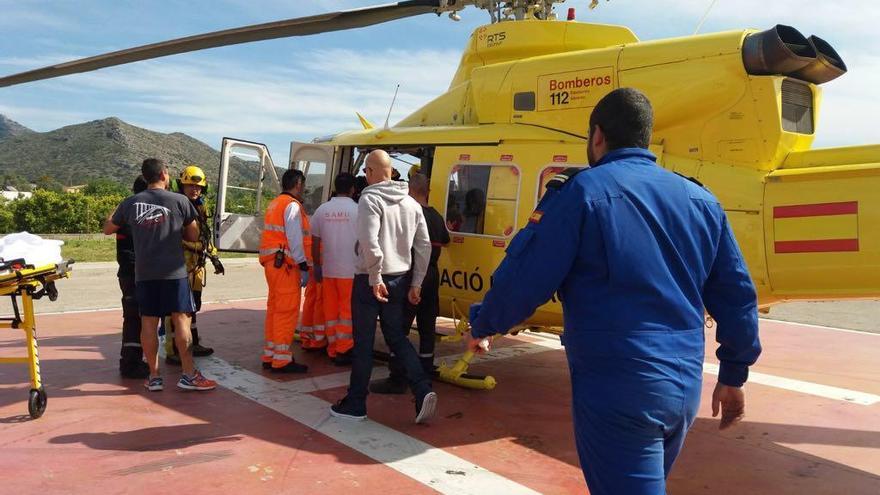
x: 425, y: 314
x: 131, y: 356
x: 159, y: 221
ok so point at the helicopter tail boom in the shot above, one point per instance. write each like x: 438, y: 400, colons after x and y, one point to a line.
x: 821, y: 224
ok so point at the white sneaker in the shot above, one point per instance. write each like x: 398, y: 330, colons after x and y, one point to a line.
x: 428, y: 408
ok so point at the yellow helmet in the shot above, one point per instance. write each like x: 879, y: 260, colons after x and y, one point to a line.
x: 416, y: 168
x: 193, y: 175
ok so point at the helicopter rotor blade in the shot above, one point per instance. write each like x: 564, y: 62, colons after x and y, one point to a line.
x: 301, y: 26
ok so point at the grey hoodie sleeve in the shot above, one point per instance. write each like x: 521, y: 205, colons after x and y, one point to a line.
x: 421, y: 250
x: 368, y: 224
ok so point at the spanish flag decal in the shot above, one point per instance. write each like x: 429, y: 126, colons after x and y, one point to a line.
x: 816, y: 228
x: 536, y: 216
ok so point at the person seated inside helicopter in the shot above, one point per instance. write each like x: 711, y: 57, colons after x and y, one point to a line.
x: 474, y: 209
x: 453, y: 216
x: 360, y: 182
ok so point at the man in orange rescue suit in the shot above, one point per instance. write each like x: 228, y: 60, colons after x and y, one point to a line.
x: 334, y: 233
x: 312, y: 331
x: 283, y: 256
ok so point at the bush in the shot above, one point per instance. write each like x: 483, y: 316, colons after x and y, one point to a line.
x: 48, y: 212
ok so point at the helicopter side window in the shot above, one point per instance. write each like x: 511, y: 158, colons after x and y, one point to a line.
x: 546, y: 175
x: 482, y: 200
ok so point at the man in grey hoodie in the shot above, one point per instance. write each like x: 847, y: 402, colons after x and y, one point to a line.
x: 393, y: 250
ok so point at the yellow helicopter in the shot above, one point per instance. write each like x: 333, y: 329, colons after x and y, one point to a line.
x: 736, y: 110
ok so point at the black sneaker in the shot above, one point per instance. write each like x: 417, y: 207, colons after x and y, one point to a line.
x: 291, y: 368
x: 172, y: 359
x: 343, y: 409
x: 267, y: 366
x: 133, y: 369
x: 343, y: 359
x: 388, y: 386
x: 201, y: 351
x: 426, y: 408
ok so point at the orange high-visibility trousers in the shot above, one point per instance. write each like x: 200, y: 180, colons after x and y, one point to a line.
x: 282, y: 311
x: 311, y: 331
x: 337, y: 315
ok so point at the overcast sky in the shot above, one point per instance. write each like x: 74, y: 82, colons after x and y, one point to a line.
x: 300, y: 88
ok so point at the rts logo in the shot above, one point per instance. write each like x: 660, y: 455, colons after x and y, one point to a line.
x: 495, y: 39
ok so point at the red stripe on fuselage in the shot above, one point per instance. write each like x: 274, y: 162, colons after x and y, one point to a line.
x: 816, y: 210
x: 817, y: 246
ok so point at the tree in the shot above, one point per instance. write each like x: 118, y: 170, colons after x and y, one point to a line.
x: 7, y: 217
x: 47, y: 183
x: 105, y: 187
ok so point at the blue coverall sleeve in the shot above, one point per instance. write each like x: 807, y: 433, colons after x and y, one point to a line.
x: 538, y: 259
x: 730, y: 299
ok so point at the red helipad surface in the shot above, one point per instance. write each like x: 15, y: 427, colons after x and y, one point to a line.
x: 808, y: 429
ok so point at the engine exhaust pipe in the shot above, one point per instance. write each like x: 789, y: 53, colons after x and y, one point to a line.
x: 781, y: 50
x: 827, y: 66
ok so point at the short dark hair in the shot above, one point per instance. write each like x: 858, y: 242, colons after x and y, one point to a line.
x: 152, y: 169
x: 139, y: 185
x: 291, y: 178
x: 344, y: 183
x: 625, y: 117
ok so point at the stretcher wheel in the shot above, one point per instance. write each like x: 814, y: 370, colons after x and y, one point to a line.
x: 37, y: 402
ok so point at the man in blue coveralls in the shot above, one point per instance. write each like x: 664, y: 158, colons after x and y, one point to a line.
x: 636, y: 254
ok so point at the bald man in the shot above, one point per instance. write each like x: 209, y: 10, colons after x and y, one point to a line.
x: 393, y: 252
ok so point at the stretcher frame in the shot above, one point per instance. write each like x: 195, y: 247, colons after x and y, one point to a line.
x: 29, y: 283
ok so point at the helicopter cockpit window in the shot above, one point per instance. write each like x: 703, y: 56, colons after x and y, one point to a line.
x: 482, y: 200
x: 313, y: 195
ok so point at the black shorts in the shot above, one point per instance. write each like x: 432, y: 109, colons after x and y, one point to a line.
x: 163, y: 297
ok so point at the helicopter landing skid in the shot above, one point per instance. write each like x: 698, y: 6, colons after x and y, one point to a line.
x: 457, y: 374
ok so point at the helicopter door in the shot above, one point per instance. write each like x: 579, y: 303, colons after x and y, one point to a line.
x: 248, y: 182
x: 317, y: 162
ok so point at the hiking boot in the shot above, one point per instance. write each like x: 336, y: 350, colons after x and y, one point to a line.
x: 291, y: 368
x: 343, y: 359
x: 201, y: 351
x: 426, y: 408
x: 154, y: 384
x: 196, y: 382
x: 388, y: 386
x: 344, y: 409
x: 133, y: 369
x: 172, y: 359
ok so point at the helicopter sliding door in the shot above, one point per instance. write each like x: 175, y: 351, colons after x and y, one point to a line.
x: 248, y: 182
x: 317, y: 162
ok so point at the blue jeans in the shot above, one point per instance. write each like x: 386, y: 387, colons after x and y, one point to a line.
x: 631, y: 416
x: 365, y: 309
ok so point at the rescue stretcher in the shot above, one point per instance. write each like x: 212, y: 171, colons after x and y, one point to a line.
x: 18, y: 279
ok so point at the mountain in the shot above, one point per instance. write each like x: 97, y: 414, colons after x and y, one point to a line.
x: 11, y: 128
x: 108, y: 148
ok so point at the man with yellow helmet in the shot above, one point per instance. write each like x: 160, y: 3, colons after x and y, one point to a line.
x: 194, y: 185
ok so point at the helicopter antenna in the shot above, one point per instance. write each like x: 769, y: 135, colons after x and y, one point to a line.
x: 392, y: 106
x: 705, y: 16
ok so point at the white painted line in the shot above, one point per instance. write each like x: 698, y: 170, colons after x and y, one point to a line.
x: 809, y: 388
x: 433, y: 467
x: 821, y: 327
